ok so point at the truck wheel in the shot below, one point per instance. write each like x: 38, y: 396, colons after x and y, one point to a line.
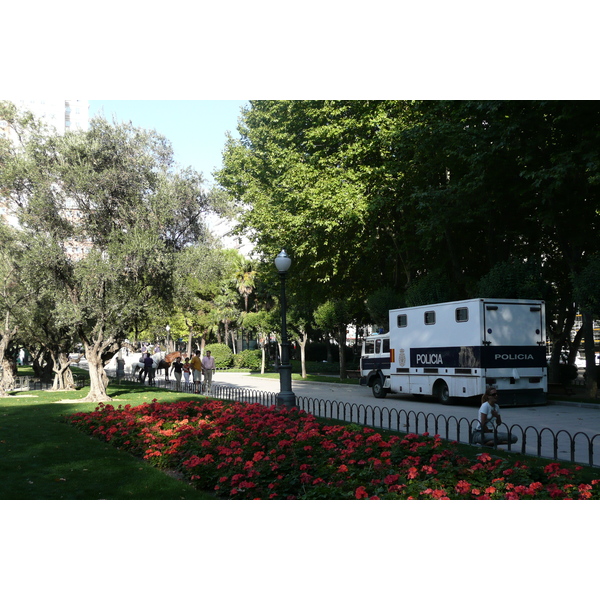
x: 442, y: 393
x: 378, y: 390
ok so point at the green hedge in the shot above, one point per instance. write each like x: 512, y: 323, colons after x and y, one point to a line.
x: 317, y: 352
x: 248, y: 359
x: 321, y: 367
x: 222, y: 354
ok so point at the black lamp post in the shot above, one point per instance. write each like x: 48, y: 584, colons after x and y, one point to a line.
x: 286, y: 396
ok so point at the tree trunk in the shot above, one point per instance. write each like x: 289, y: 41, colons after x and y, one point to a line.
x: 42, y: 365
x: 8, y: 380
x: 342, y: 342
x: 591, y: 382
x: 98, y: 377
x: 190, y: 340
x: 63, y: 376
x: 263, y: 349
x: 302, y: 340
x: 562, y: 338
x: 329, y: 352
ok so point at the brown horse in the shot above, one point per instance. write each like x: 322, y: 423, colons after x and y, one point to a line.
x: 168, y: 360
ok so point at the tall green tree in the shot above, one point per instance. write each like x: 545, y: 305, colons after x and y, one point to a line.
x: 115, y: 192
x: 426, y: 197
x: 300, y: 173
x: 334, y: 317
x: 587, y: 293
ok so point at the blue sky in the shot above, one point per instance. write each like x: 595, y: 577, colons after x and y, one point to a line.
x: 195, y: 128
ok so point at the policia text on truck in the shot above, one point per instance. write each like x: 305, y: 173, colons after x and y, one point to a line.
x: 456, y: 349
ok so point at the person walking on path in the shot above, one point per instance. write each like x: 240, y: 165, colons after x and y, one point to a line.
x: 149, y: 368
x: 177, y: 368
x: 196, y: 365
x: 208, y: 363
x: 187, y: 369
x: 489, y: 419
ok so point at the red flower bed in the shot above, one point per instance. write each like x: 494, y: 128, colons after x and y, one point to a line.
x: 250, y: 451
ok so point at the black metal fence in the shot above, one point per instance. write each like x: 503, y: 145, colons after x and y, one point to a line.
x: 28, y: 383
x: 562, y: 445
x: 545, y: 443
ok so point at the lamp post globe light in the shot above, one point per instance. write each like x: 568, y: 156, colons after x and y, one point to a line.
x: 286, y: 396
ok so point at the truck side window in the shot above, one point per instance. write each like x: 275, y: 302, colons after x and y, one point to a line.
x: 430, y: 317
x: 402, y: 320
x: 386, y: 345
x: 462, y: 315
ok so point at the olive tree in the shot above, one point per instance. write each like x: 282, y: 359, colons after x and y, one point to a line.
x: 114, y: 194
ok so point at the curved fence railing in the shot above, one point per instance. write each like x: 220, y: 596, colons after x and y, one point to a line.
x: 545, y: 443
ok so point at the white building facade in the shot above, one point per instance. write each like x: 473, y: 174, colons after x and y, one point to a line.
x: 63, y: 115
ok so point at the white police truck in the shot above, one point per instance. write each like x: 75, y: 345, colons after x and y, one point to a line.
x: 456, y: 349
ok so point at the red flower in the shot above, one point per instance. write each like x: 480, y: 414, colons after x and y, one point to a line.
x: 463, y: 487
x: 361, y: 493
x: 396, y: 488
x: 439, y: 494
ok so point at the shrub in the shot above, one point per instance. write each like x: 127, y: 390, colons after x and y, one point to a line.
x: 567, y: 373
x: 317, y: 352
x: 248, y: 359
x: 222, y: 354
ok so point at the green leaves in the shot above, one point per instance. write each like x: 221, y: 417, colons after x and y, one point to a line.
x: 112, y: 194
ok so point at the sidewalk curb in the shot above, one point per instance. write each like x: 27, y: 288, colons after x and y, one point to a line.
x: 577, y: 404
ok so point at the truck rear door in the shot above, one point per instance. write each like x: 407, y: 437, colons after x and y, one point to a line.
x: 513, y: 324
x: 514, y: 335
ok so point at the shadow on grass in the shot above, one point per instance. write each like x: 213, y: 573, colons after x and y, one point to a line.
x: 43, y: 457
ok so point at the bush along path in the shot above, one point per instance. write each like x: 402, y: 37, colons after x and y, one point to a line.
x: 250, y: 451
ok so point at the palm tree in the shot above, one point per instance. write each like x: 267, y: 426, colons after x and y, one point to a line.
x: 245, y: 278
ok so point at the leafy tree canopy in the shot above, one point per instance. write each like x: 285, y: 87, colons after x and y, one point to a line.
x: 113, y: 194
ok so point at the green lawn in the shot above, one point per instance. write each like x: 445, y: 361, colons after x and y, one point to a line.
x: 44, y: 458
